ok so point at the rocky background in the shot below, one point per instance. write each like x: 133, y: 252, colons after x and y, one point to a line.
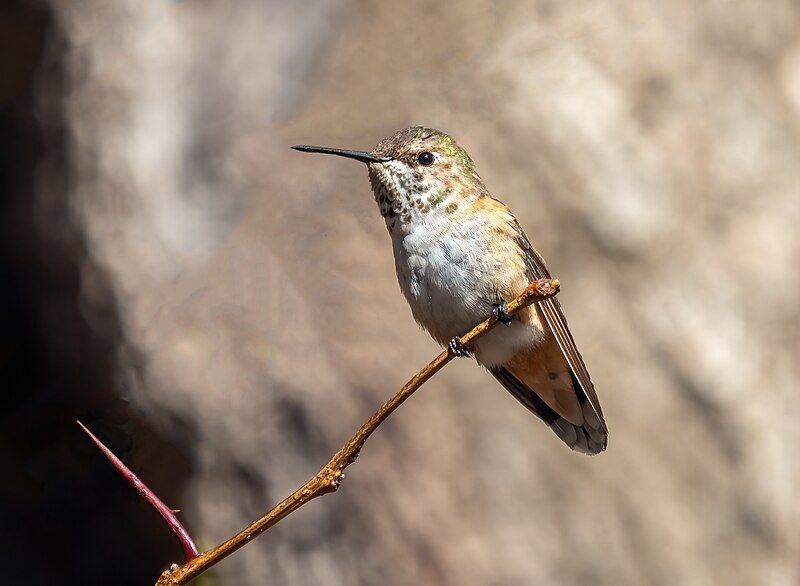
x: 223, y: 311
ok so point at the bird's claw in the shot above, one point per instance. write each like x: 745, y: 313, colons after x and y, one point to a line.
x: 457, y: 348
x: 499, y: 311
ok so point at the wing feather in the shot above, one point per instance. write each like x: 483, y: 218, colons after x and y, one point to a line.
x: 551, y: 309
x: 585, y: 438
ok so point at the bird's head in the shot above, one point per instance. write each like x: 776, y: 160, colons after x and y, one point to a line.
x: 416, y: 173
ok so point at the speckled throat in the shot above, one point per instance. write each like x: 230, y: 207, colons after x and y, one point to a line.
x: 406, y: 196
x: 403, y: 201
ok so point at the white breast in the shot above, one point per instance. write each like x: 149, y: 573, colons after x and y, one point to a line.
x: 448, y: 274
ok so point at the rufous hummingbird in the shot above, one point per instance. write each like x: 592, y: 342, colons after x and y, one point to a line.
x: 459, y: 255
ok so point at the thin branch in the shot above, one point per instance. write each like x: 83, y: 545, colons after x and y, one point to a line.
x: 328, y: 479
x: 189, y: 548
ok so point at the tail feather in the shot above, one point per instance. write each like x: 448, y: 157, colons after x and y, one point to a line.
x: 590, y: 437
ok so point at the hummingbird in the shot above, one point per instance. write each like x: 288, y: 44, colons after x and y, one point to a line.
x: 460, y: 254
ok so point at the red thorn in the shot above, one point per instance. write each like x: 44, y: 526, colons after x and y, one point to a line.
x: 189, y: 548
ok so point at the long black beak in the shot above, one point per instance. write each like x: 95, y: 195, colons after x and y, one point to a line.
x: 362, y: 156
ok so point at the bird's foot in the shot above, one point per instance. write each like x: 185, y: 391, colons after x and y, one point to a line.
x: 457, y: 348
x: 499, y: 311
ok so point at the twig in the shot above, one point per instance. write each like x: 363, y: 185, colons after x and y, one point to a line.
x: 328, y: 479
x: 189, y: 548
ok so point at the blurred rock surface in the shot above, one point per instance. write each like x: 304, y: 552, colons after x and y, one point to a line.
x: 652, y: 153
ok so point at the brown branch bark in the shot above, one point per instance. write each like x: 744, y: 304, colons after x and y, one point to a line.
x: 328, y: 479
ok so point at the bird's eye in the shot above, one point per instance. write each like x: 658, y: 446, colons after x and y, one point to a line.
x: 425, y: 158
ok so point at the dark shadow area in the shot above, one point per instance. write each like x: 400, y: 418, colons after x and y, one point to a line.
x: 67, y: 517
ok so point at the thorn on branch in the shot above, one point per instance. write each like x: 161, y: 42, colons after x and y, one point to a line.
x: 189, y: 548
